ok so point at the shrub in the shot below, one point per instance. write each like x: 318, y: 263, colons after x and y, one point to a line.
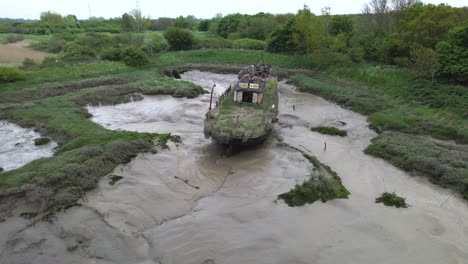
x: 29, y: 64
x: 134, y: 57
x: 250, y: 44
x: 41, y: 141
x: 13, y: 38
x: 391, y: 199
x: 179, y: 39
x: 112, y: 54
x: 10, y: 74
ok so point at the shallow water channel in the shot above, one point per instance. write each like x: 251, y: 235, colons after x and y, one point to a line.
x: 17, y: 146
x: 192, y: 204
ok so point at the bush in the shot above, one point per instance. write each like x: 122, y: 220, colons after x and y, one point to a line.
x: 250, y: 44
x: 41, y: 141
x: 13, y: 38
x: 179, y: 39
x: 10, y: 74
x: 391, y: 199
x: 29, y: 64
x: 134, y: 57
x: 112, y: 54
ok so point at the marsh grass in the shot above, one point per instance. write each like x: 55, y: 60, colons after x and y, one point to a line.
x: 391, y: 199
x: 324, y: 185
x: 328, y: 130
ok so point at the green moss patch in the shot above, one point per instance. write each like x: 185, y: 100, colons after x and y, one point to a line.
x: 41, y: 141
x: 327, y: 130
x: 391, y: 199
x: 324, y: 184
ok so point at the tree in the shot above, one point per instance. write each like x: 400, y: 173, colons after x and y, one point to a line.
x: 453, y: 53
x: 179, y: 38
x: 308, y: 34
x: 204, y: 25
x: 424, y: 61
x: 127, y: 22
x: 228, y: 24
x: 280, y: 39
x: 137, y: 17
x: 341, y: 24
x: 181, y: 22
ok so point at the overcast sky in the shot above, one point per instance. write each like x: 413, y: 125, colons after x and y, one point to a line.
x: 31, y: 9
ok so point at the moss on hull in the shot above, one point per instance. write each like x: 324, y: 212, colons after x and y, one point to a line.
x: 243, y: 123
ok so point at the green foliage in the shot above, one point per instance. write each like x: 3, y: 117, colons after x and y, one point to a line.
x: 127, y: 23
x: 111, y: 54
x: 280, y: 40
x: 249, y: 44
x: 204, y: 25
x: 425, y: 61
x: 13, y: 38
x: 443, y: 163
x: 324, y: 184
x: 391, y: 199
x: 179, y: 39
x: 228, y: 24
x: 114, y: 178
x: 453, y: 54
x: 341, y: 24
x: 41, y: 141
x: 330, y: 131
x: 10, y: 74
x: 181, y: 22
x: 134, y: 57
x: 28, y: 64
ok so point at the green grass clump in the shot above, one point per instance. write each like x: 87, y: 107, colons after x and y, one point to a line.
x: 327, y: 130
x: 391, y: 199
x: 10, y: 74
x: 324, y: 184
x: 41, y: 141
x: 114, y: 178
x: 444, y: 163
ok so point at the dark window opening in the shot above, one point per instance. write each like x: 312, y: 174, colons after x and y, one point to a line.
x: 247, y: 97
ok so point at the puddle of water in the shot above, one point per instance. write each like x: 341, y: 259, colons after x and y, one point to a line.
x: 232, y: 217
x: 17, y: 146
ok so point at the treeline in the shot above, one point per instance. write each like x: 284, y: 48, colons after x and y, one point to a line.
x: 429, y: 39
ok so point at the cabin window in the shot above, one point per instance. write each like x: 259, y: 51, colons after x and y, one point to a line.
x: 247, y: 97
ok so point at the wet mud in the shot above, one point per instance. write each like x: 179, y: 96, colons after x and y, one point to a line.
x: 192, y: 204
x: 17, y: 146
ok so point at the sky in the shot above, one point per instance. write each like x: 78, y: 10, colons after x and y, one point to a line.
x: 31, y: 9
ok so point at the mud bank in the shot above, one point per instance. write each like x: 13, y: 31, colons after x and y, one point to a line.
x: 17, y: 146
x: 191, y: 204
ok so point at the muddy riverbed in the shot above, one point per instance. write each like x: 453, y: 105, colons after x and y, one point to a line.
x: 192, y: 204
x: 17, y: 146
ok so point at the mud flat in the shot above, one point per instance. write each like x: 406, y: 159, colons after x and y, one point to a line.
x: 13, y: 54
x: 17, y: 146
x: 191, y: 204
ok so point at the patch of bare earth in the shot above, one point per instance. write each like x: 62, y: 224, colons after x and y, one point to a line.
x: 13, y: 54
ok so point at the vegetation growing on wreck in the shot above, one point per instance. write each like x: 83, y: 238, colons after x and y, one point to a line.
x: 328, y: 130
x: 391, y: 199
x: 324, y: 184
x: 241, y: 120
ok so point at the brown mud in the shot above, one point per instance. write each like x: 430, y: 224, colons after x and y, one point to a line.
x: 155, y: 213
